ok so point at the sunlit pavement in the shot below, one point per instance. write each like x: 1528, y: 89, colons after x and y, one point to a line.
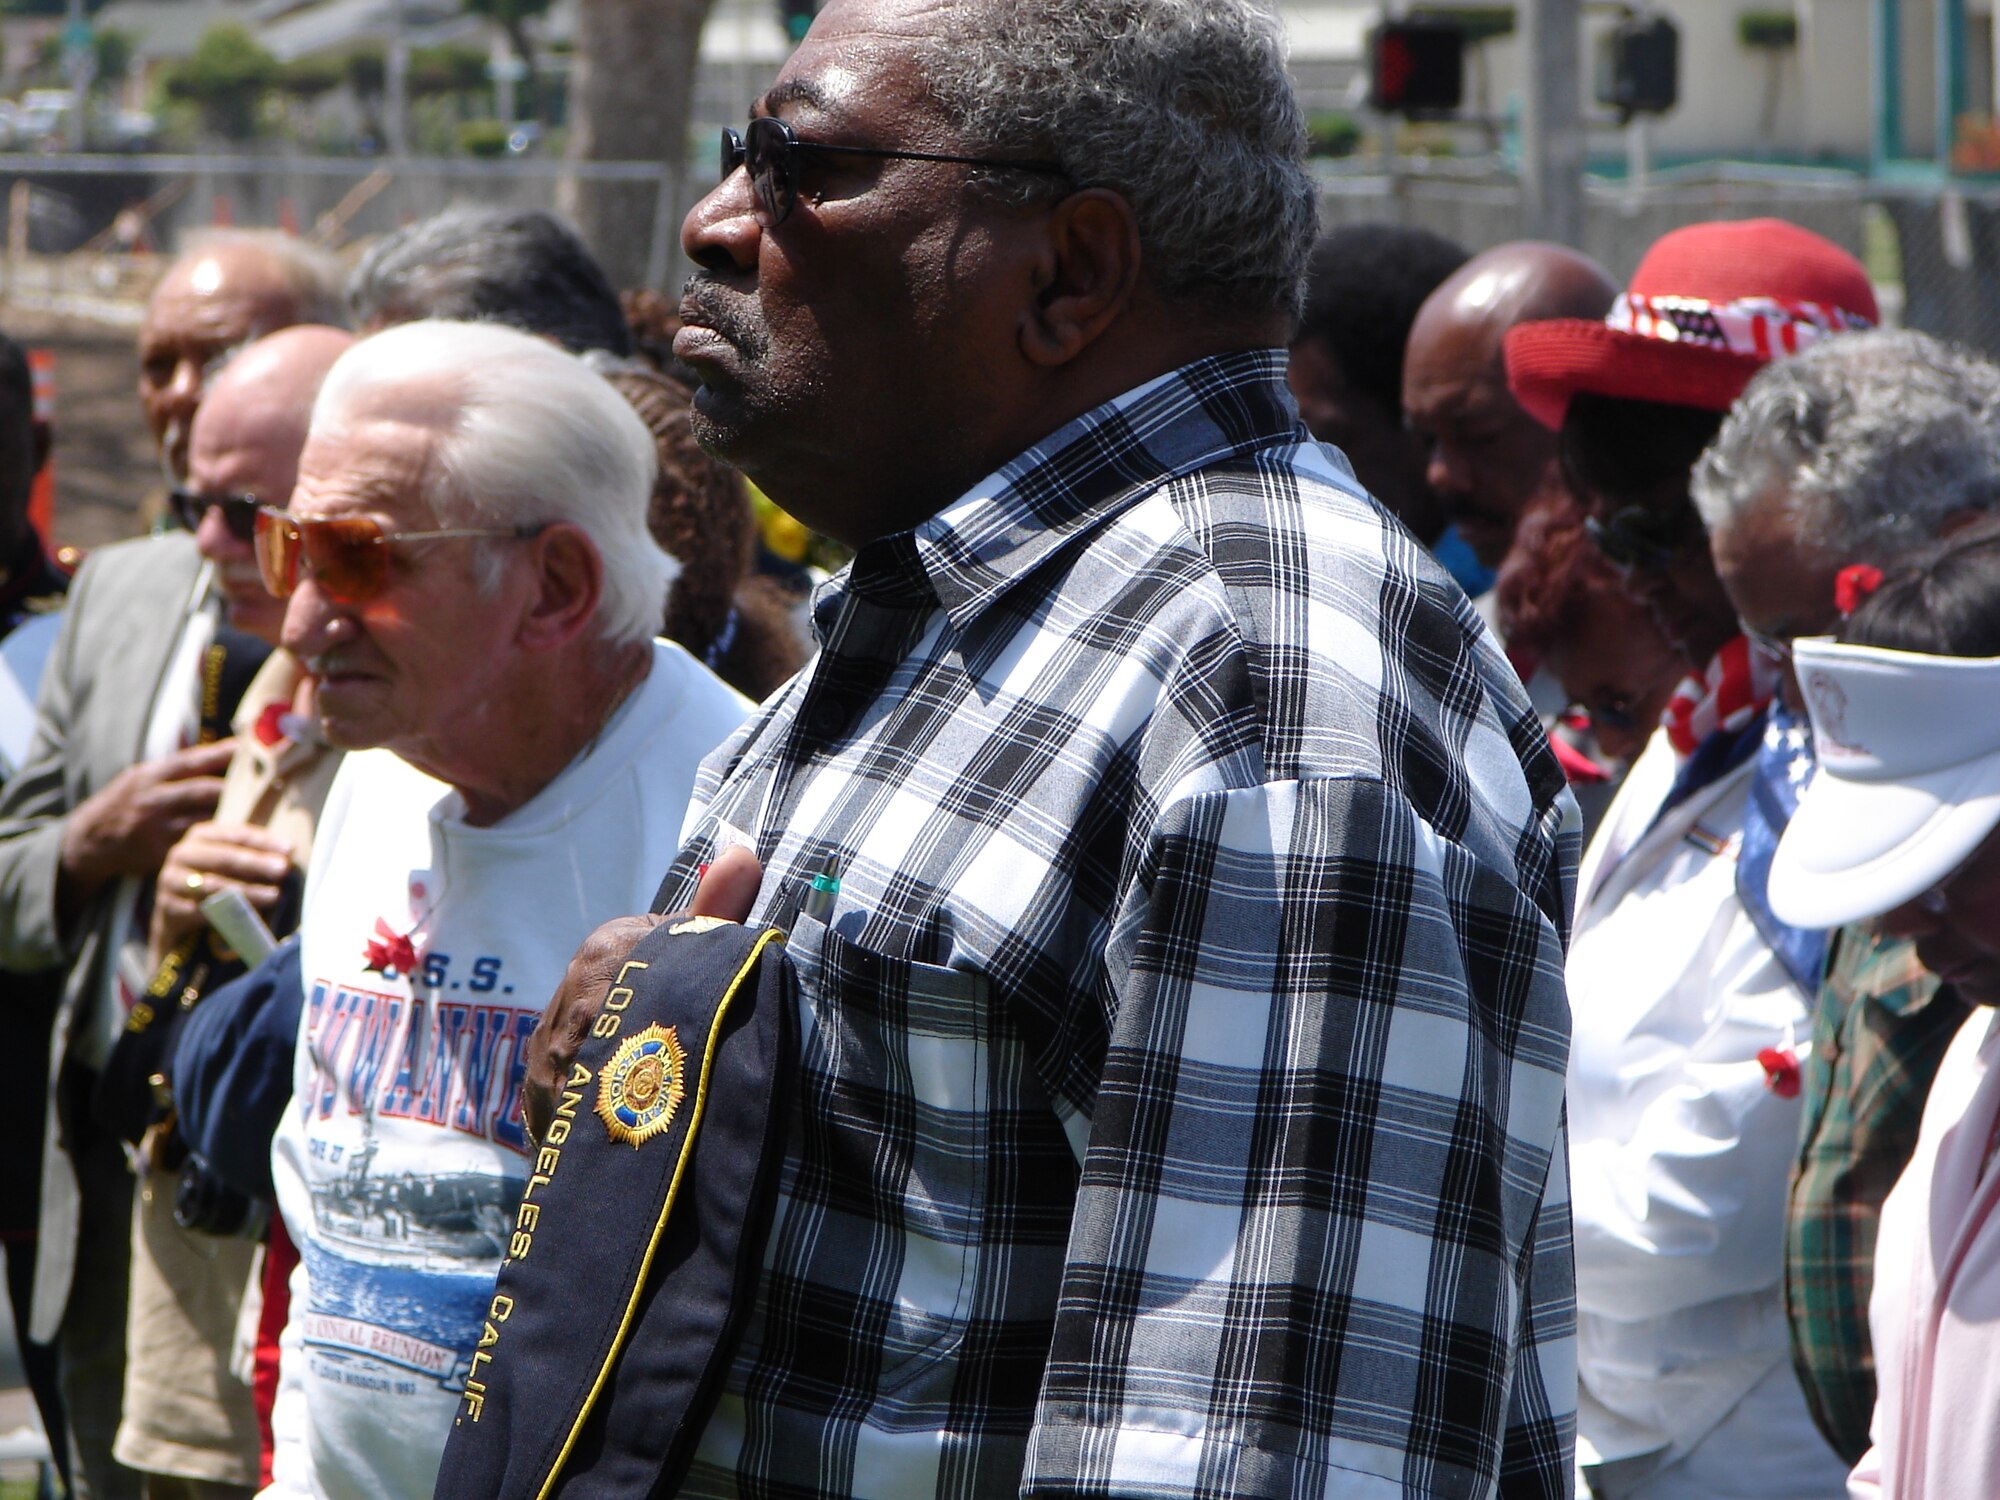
x: 22, y: 1445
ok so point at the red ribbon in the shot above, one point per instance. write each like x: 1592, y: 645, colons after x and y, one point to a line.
x: 1781, y: 1071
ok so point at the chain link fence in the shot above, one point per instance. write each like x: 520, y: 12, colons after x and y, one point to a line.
x: 86, y: 234
x: 1932, y: 250
x: 1946, y: 247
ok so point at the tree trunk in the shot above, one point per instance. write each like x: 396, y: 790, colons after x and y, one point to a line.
x: 1767, y: 124
x: 631, y: 92
x: 524, y: 52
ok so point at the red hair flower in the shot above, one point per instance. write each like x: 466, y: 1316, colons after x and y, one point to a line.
x: 1853, y: 584
x: 1781, y: 1071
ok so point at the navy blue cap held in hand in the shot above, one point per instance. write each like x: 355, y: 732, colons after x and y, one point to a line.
x: 232, y: 1070
x: 640, y: 1234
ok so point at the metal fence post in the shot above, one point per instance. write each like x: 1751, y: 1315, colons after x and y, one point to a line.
x: 1552, y: 121
x: 1950, y: 55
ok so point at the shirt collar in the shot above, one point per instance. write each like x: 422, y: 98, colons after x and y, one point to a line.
x: 1073, y: 481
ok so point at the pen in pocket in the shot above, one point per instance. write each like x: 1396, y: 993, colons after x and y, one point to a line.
x: 825, y: 886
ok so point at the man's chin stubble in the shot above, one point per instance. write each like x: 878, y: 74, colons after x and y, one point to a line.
x: 716, y: 420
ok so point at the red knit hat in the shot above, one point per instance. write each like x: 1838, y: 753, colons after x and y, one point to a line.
x: 1709, y: 306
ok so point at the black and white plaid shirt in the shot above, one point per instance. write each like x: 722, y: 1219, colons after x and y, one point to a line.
x: 1183, y: 1054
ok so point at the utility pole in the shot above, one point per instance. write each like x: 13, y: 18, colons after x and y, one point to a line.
x: 1638, y: 160
x: 80, y: 66
x: 506, y: 70
x: 1886, y: 48
x: 396, y: 81
x: 1950, y: 55
x: 1552, y: 121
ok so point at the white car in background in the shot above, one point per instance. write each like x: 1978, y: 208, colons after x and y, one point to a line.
x: 41, y: 120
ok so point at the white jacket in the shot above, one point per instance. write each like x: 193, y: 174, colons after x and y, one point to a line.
x: 402, y: 1156
x: 1679, y: 1146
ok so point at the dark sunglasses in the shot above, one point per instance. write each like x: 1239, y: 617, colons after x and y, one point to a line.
x: 348, y: 556
x: 1642, y: 538
x: 771, y: 149
x: 239, y: 511
x: 1612, y: 713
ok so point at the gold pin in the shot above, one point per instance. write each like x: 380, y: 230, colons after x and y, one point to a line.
x: 643, y: 1085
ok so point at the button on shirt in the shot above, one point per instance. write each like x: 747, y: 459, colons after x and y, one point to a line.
x: 1182, y: 1057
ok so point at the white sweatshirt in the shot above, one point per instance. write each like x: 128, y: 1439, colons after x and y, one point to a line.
x: 401, y: 1159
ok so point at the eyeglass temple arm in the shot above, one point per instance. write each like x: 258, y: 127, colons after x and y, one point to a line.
x: 966, y: 161
x: 520, y: 533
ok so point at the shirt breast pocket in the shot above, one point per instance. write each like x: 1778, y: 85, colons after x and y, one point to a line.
x: 885, y: 1208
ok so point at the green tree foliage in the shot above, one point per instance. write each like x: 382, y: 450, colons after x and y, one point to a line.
x: 46, y: 69
x: 114, y: 53
x: 368, y: 72
x: 484, y: 138
x: 227, y: 78
x: 1332, y: 133
x: 1476, y: 23
x: 1771, y: 30
x: 47, y: 7
x: 308, y: 78
x: 512, y: 16
x: 447, y: 70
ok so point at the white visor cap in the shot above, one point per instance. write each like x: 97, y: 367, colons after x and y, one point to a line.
x: 1908, y: 785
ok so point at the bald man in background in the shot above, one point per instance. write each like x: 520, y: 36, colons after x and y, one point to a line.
x: 233, y: 286
x: 128, y: 753
x: 189, y: 1425
x: 1488, y: 458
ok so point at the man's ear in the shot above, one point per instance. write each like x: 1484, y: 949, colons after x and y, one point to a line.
x: 569, y: 585
x: 1086, y: 277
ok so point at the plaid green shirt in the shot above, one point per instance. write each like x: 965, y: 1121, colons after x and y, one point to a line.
x: 1879, y: 1032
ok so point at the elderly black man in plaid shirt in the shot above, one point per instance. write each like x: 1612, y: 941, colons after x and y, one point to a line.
x: 1180, y: 1108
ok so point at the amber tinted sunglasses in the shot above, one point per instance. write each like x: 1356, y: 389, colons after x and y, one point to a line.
x: 348, y: 556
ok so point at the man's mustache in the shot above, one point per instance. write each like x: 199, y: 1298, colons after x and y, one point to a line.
x: 707, y: 303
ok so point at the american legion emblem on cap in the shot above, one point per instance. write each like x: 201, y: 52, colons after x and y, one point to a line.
x: 642, y: 1085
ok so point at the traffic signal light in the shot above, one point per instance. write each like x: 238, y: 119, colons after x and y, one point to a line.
x: 796, y: 16
x: 1644, y: 76
x: 1415, y: 67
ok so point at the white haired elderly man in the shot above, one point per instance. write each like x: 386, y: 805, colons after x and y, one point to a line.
x: 471, y: 580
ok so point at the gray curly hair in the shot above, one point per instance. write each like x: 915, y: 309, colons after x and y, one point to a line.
x: 1875, y: 439
x: 1183, y: 107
